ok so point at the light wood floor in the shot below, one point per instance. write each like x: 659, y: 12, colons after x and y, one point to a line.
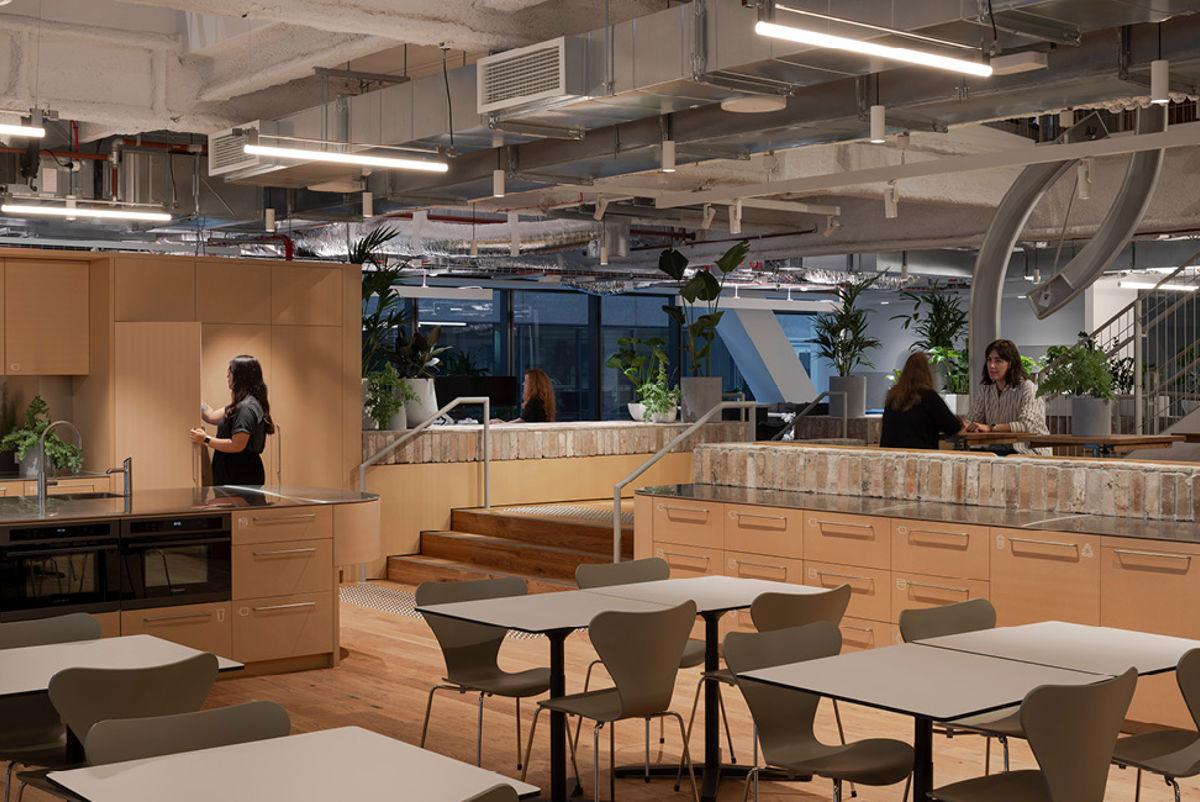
x: 390, y: 662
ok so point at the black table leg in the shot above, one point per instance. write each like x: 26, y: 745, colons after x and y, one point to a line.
x: 712, y: 714
x: 558, y: 720
x: 922, y: 782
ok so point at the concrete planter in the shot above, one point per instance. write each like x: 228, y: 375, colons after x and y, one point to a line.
x: 1091, y: 416
x: 426, y: 405
x: 399, y: 421
x: 31, y: 463
x: 700, y: 394
x: 959, y: 403
x: 855, y: 388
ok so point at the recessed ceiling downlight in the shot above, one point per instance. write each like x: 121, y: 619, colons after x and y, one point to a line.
x: 754, y: 104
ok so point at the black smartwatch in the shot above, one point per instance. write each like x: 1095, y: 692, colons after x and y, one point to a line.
x: 206, y: 439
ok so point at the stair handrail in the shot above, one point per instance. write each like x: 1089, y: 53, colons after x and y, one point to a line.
x: 662, y: 452
x: 411, y: 433
x: 791, y: 427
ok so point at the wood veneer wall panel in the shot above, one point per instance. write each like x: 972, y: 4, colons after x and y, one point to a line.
x: 233, y: 291
x: 307, y: 403
x: 46, y: 320
x: 306, y: 295
x: 154, y: 288
x: 95, y: 393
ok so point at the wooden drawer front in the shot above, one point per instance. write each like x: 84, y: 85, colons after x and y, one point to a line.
x: 690, y: 523
x: 98, y: 485
x: 940, y: 549
x: 1150, y: 586
x: 1045, y: 576
x: 848, y: 539
x: 764, y: 530
x: 201, y: 626
x: 689, y: 560
x: 763, y: 566
x: 110, y: 624
x: 917, y: 591
x: 14, y: 488
x: 859, y: 634
x: 871, y: 588
x: 278, y: 569
x: 283, y: 626
x: 277, y: 526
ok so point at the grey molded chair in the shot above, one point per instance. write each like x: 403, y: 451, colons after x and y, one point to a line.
x: 784, y: 716
x: 641, y: 653
x: 116, y: 740
x: 470, y: 651
x: 1171, y: 753
x: 32, y: 733
x: 647, y: 569
x: 1072, y: 730
x: 951, y: 619
x: 497, y: 793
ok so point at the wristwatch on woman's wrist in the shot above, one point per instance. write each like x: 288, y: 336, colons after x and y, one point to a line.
x: 207, y: 439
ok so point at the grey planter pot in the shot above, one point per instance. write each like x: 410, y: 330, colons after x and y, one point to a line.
x: 700, y: 394
x: 855, y: 388
x: 426, y: 405
x: 1091, y: 416
x: 31, y: 463
x: 399, y: 421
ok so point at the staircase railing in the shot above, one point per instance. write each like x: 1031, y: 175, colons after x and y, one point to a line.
x: 662, y: 452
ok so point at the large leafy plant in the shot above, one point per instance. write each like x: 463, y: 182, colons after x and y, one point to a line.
x: 382, y: 319
x: 1080, y: 369
x: 25, y: 437
x: 640, y: 361
x: 937, y: 318
x: 699, y: 315
x: 841, y: 336
x: 416, y: 356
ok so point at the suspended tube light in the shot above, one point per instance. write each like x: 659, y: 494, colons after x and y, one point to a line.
x: 102, y: 213
x: 31, y: 131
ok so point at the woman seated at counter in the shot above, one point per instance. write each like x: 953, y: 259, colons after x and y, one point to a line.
x: 537, y: 399
x: 1008, y: 400
x: 914, y: 415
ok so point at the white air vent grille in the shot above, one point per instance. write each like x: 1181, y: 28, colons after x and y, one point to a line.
x: 225, y: 152
x: 533, y: 74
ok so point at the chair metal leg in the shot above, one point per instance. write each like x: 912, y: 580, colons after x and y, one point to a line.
x: 1004, y: 743
x: 987, y: 755
x: 587, y: 679
x: 596, y: 762
x: 837, y: 791
x: 646, y: 775
x: 532, y: 729
x: 575, y: 766
x: 20, y: 791
x: 612, y: 761
x: 518, y: 698
x: 725, y: 721
x: 12, y: 765
x: 687, y: 755
x: 907, y: 786
x: 428, y: 708
x: 837, y: 717
x: 1137, y: 787
x: 479, y: 736
x: 1171, y: 782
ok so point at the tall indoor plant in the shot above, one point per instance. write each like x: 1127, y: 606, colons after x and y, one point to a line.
x: 1081, y: 372
x: 698, y: 316
x: 940, y: 323
x: 841, y: 337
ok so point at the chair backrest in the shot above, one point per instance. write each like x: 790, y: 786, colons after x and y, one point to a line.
x: 1072, y: 730
x: 641, y: 652
x: 497, y: 793
x: 783, y: 716
x: 115, y: 740
x: 467, y: 647
x: 84, y: 696
x: 949, y: 619
x: 1187, y: 674
x: 41, y: 631
x: 598, y: 575
x: 782, y: 610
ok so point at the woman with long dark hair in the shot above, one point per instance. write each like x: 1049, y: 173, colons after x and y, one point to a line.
x: 1007, y: 401
x: 914, y: 415
x: 242, y: 426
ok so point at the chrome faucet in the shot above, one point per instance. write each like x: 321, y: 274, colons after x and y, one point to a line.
x: 126, y: 469
x: 42, y: 481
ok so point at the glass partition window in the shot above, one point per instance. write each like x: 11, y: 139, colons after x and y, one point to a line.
x: 554, y: 331
x: 799, y: 327
x: 638, y: 316
x: 472, y: 329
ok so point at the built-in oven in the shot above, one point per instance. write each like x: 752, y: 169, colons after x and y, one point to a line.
x: 176, y: 560
x: 47, y: 569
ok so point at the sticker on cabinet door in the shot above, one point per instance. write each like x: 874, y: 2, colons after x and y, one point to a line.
x: 1087, y: 550
x: 901, y: 583
x: 1000, y: 542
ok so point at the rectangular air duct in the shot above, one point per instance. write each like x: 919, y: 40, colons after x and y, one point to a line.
x: 544, y: 73
x: 225, y: 154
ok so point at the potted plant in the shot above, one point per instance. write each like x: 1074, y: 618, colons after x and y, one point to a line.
x: 659, y: 398
x: 698, y: 317
x: 640, y: 361
x: 416, y: 356
x: 383, y: 310
x: 25, y: 437
x: 940, y: 323
x: 387, y: 395
x: 1081, y: 372
x: 842, y: 340
x: 8, y: 422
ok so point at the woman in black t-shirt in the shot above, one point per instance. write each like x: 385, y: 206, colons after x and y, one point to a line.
x: 537, y: 399
x: 914, y: 415
x: 242, y: 426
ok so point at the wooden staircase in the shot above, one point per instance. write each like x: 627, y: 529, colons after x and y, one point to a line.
x: 540, y: 543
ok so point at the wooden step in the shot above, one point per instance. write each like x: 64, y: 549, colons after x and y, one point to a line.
x: 589, y: 536
x: 415, y: 569
x: 507, y: 555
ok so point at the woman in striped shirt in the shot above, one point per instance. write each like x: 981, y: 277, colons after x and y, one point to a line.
x: 1008, y: 400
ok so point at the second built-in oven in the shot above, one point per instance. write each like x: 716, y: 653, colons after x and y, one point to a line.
x: 176, y: 560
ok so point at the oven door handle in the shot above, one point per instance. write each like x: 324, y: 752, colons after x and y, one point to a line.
x: 168, y: 544
x: 54, y: 552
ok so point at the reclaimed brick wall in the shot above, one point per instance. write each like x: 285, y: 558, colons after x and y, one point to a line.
x: 1163, y: 491
x: 546, y: 440
x: 823, y: 427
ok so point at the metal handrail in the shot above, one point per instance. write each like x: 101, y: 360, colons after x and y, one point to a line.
x: 411, y: 433
x: 791, y: 427
x: 662, y: 452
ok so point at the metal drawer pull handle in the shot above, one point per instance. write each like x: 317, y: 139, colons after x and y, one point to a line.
x: 1154, y: 554
x: 283, y: 606
x: 283, y: 551
x: 847, y: 576
x: 176, y: 617
x: 841, y: 523
x: 964, y: 535
x: 689, y: 556
x: 1044, y: 542
x: 937, y: 587
x: 858, y: 629
x: 740, y: 515
x: 669, y: 508
x: 276, y: 518
x: 769, y: 567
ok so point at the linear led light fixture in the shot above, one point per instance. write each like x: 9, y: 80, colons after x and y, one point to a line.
x: 923, y: 58
x: 316, y: 150
x: 31, y: 131
x: 113, y: 213
x: 451, y: 293
x: 1150, y: 285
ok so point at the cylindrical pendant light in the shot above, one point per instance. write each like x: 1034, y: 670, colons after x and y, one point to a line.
x: 368, y: 204
x: 497, y: 183
x: 269, y: 220
x: 668, y: 156
x: 878, y: 124
x: 1160, y: 82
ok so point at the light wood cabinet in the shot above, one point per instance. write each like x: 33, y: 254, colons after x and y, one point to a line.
x: 282, y: 525
x: 848, y: 539
x: 689, y: 522
x: 861, y: 633
x: 306, y: 296
x: 689, y: 560
x: 154, y: 288
x: 201, y: 626
x: 940, y: 549
x: 110, y: 624
x: 46, y: 327
x: 306, y: 403
x: 158, y: 401
x: 230, y: 291
x: 100, y: 484
x: 1040, y: 576
x: 764, y: 566
x: 279, y: 627
x: 764, y: 530
x: 870, y: 588
x: 282, y: 568
x: 912, y: 591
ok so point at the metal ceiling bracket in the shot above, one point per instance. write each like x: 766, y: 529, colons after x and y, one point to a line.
x: 535, y: 129
x: 355, y: 75
x: 1026, y: 24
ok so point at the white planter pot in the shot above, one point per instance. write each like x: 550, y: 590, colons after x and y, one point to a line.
x: 1091, y: 416
x: 637, y: 411
x: 367, y: 421
x: 855, y: 398
x: 959, y: 403
x: 700, y: 394
x: 426, y: 406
